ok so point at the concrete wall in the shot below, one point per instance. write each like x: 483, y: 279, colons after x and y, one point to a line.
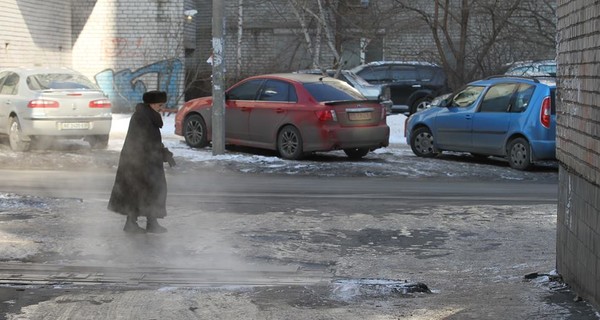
x: 578, y: 146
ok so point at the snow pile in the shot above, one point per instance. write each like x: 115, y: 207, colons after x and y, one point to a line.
x: 177, y: 144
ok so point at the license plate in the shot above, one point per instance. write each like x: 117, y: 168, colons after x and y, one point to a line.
x: 355, y: 116
x: 74, y: 125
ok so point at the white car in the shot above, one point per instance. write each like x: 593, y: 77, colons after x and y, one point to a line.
x: 544, y: 68
x: 42, y: 103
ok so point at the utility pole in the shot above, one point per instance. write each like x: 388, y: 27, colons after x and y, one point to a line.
x: 218, y: 92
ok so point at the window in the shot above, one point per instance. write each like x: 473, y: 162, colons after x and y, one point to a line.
x: 9, y: 83
x: 275, y: 90
x: 426, y: 74
x: 497, y: 98
x: 245, y: 91
x: 377, y: 74
x: 467, y: 96
x: 333, y: 91
x: 522, y: 98
x: 57, y: 81
x: 402, y: 73
x: 549, y: 69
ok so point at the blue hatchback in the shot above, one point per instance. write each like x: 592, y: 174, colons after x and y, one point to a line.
x: 511, y: 117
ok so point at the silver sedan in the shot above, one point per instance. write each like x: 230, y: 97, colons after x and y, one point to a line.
x: 42, y: 103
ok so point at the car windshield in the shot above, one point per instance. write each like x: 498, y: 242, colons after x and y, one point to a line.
x: 59, y: 81
x: 337, y: 90
x: 356, y: 78
x: 466, y: 96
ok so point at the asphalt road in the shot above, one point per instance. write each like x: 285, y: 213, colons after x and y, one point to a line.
x: 240, y: 187
x: 276, y: 246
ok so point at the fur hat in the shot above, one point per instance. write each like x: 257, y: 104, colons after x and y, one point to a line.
x: 155, y: 97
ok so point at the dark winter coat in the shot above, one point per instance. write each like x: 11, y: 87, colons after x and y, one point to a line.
x: 140, y: 187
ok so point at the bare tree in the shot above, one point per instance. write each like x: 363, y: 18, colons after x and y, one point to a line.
x: 327, y: 27
x: 472, y: 37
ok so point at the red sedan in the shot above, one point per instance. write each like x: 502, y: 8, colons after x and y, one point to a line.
x: 294, y: 114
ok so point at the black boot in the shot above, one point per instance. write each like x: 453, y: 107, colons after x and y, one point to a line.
x: 152, y: 226
x: 131, y: 225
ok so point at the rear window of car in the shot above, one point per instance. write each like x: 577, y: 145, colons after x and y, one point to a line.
x: 59, y: 81
x: 332, y: 91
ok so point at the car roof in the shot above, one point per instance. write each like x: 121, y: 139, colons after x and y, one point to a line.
x: 393, y: 62
x: 35, y: 70
x: 319, y: 71
x: 298, y: 77
x: 531, y: 63
x: 511, y: 79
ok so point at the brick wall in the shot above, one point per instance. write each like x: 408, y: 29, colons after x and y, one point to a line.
x: 130, y: 46
x: 35, y: 33
x: 127, y: 46
x: 578, y: 146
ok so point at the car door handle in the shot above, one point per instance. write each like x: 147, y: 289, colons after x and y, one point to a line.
x: 468, y: 116
x: 416, y: 85
x: 279, y: 110
x: 245, y: 109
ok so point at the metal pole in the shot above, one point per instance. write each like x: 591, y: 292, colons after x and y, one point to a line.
x: 218, y: 109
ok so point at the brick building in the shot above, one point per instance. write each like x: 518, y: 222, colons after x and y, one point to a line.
x: 129, y: 46
x: 578, y: 146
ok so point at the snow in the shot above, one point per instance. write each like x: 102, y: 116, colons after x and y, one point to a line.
x: 177, y: 144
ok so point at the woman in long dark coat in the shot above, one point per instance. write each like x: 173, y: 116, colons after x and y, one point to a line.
x: 140, y: 187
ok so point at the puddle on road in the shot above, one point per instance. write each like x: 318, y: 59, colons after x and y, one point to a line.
x: 424, y: 243
x: 17, y: 207
x: 350, y: 289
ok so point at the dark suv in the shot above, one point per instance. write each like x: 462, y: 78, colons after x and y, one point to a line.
x: 412, y: 84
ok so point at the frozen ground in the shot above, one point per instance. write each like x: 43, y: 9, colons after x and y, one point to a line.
x: 473, y: 258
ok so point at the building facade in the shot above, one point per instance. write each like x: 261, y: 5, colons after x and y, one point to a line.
x: 129, y: 46
x: 578, y: 147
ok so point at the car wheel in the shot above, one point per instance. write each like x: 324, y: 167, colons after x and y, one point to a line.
x: 289, y: 143
x: 420, y: 104
x: 421, y: 143
x: 194, y: 131
x: 519, y: 154
x: 98, y: 142
x: 16, y: 137
x: 356, y: 153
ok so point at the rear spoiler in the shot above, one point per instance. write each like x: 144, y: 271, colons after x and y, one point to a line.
x: 335, y: 103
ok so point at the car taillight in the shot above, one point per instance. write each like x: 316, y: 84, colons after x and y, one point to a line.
x: 545, y: 113
x: 40, y: 103
x: 102, y: 103
x: 326, y: 115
